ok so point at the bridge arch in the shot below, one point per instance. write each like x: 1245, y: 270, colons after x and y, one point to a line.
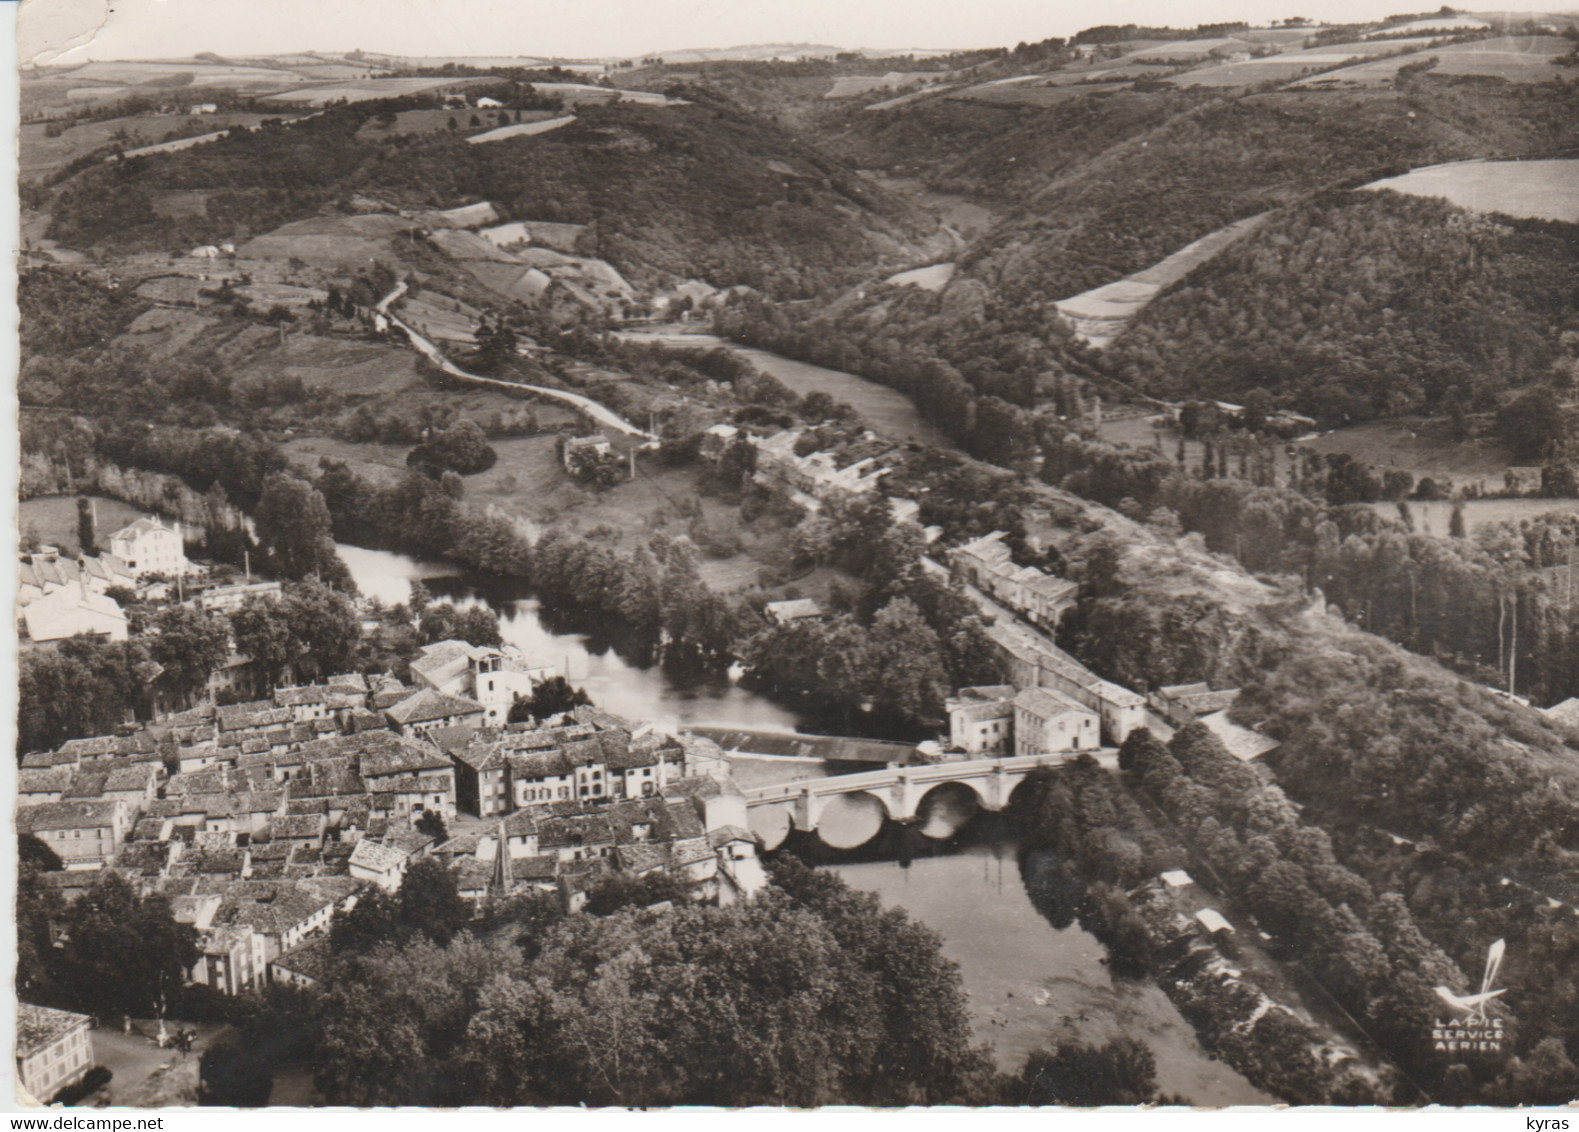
x: 848, y: 821
x: 772, y: 823
x: 947, y: 806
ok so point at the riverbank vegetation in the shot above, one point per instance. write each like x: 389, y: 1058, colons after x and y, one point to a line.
x: 1105, y: 857
x: 815, y: 996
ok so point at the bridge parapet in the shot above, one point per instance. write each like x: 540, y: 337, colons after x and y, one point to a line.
x: 902, y: 788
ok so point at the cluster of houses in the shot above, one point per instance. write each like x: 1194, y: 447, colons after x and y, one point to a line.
x: 1051, y: 695
x: 261, y: 821
x: 1039, y: 597
x: 1001, y: 719
x: 813, y: 478
x: 60, y: 597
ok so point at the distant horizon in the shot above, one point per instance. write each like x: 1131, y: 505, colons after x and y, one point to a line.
x: 72, y: 32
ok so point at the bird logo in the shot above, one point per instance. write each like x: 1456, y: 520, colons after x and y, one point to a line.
x: 1473, y: 1006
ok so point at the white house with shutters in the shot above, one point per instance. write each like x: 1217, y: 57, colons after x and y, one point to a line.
x: 149, y: 547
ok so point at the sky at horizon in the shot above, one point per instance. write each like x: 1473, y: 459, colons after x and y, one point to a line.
x: 64, y: 32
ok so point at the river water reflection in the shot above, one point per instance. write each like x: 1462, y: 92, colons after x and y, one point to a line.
x: 581, y: 647
x: 1030, y: 983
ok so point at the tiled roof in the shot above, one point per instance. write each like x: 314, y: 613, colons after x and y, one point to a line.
x: 471, y: 874
x: 39, y: 1027
x: 314, y: 960
x: 642, y: 856
x: 43, y: 781
x: 306, y: 694
x: 480, y: 754
x: 68, y: 815
x: 404, y: 784
x: 271, y: 907
x: 301, y: 825
x: 724, y: 834
x: 1044, y: 703
x: 138, y: 528
x: 542, y: 867
x: 439, y: 655
x: 399, y: 756
x: 377, y: 857
x: 427, y: 704
x: 543, y: 764
x: 136, y: 777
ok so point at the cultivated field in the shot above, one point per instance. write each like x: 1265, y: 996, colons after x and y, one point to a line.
x: 1101, y: 314
x: 1518, y: 59
x: 332, y: 241
x: 932, y: 278
x: 432, y: 121
x: 1033, y: 95
x: 153, y: 73
x: 363, y: 90
x: 1420, y: 447
x: 1545, y: 190
x: 528, y: 482
x: 524, y: 129
x: 1435, y: 518
x: 1187, y: 49
x: 1291, y: 64
x: 40, y: 154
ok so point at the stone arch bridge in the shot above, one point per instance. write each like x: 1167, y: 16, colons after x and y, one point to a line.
x: 900, y: 790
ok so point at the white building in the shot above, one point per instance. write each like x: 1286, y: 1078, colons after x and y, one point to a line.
x: 72, y: 611
x: 1045, y: 721
x: 492, y: 677
x: 149, y: 547
x: 54, y: 1049
x: 981, y: 720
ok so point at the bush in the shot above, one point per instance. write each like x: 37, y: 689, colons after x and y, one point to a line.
x: 95, y: 1079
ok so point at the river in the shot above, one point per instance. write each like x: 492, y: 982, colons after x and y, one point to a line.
x: 1029, y: 983
x: 888, y: 412
x: 583, y: 648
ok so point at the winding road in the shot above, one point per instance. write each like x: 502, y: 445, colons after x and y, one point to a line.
x: 602, y: 414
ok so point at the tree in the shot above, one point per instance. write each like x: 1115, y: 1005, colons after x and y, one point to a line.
x: 231, y: 1074
x: 462, y: 448
x: 77, y: 688
x: 477, y: 625
x: 496, y: 345
x: 37, y: 903
x: 910, y: 680
x: 294, y: 527
x: 370, y: 922
x: 391, y: 1027
x: 263, y: 632
x: 323, y: 623
x: 190, y: 645
x: 1122, y: 1072
x: 1532, y: 422
x: 125, y: 955
x: 549, y: 698
x: 921, y: 1052
x: 431, y: 824
x: 429, y: 903
x: 85, y: 543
